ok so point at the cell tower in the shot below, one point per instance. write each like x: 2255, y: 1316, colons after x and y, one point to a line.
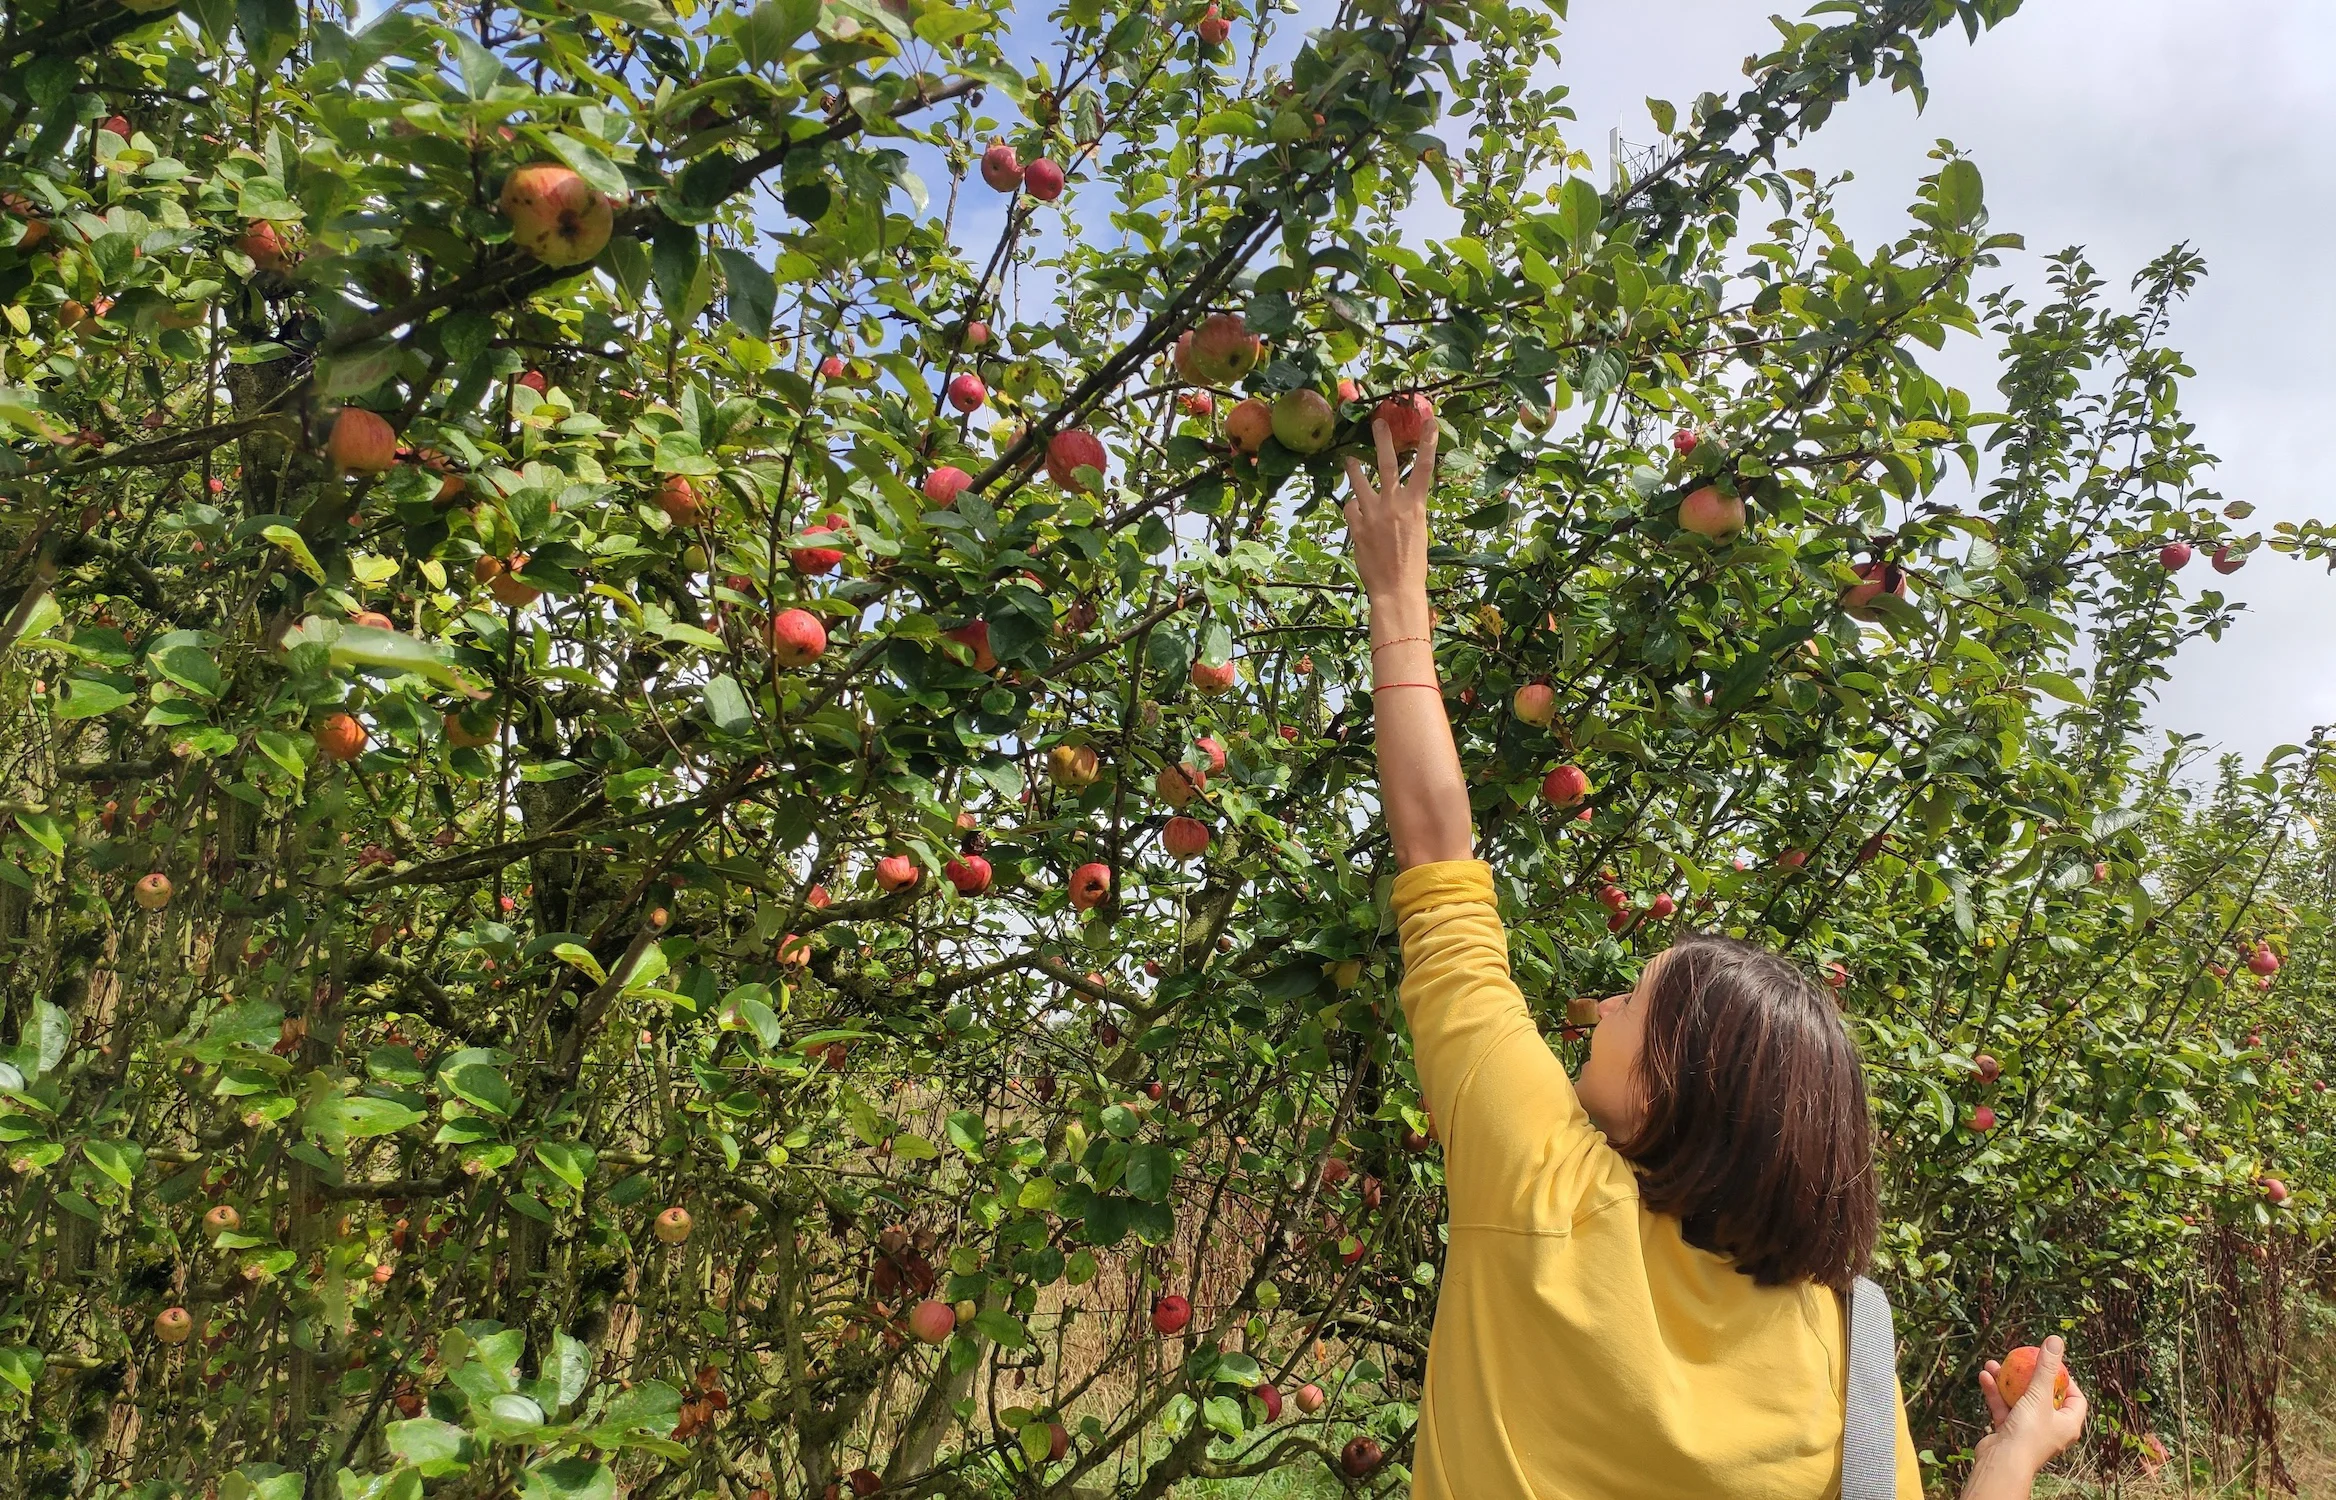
x: 1626, y: 163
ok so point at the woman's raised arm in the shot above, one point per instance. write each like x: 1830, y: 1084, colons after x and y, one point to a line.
x: 1420, y: 785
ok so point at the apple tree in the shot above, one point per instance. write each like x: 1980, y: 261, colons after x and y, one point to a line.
x: 689, y: 787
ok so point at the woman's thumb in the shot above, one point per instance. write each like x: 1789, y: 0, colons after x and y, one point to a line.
x: 2051, y: 1364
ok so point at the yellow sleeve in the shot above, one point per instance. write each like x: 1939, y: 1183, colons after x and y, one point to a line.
x: 1909, y: 1463
x: 1504, y: 1109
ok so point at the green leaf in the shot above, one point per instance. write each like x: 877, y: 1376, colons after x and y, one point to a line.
x: 726, y: 705
x: 1961, y: 196
x: 580, y: 956
x: 753, y: 292
x: 589, y: 163
x: 20, y: 1367
x: 87, y: 698
x: 569, y: 1479
x: 337, y: 1119
x: 297, y: 545
x: 433, y: 1446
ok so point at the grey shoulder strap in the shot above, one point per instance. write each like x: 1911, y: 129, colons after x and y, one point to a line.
x: 1869, y: 1432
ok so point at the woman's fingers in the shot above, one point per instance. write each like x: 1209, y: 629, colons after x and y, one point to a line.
x: 1997, y: 1411
x: 1361, y: 484
x: 1423, y: 464
x: 1390, y: 470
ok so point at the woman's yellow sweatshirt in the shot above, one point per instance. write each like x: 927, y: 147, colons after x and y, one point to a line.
x: 1582, y: 1349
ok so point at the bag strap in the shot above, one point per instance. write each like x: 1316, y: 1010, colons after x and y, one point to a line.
x: 1869, y: 1430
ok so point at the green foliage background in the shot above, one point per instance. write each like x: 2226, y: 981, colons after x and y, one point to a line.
x: 448, y: 1025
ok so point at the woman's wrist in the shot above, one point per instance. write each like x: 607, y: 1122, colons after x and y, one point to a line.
x: 1400, y: 613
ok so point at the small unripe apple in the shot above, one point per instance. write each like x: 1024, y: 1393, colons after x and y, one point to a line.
x: 1089, y: 884
x: 1001, y: 167
x: 1303, y: 421
x: 673, y: 1225
x: 797, y: 638
x: 1711, y: 515
x: 1346, y: 973
x: 896, y: 872
x: 1309, y: 1398
x: 966, y: 392
x: 1565, y: 786
x: 1196, y: 403
x: 932, y: 1321
x: 556, y: 216
x: 152, y: 892
x: 1212, y: 681
x: 1043, y: 180
x: 1185, y: 838
x: 173, y: 1325
x: 1073, y: 767
x: 2174, y: 556
x: 969, y: 873
x: 1535, y: 703
x: 222, y: 1219
x: 463, y: 737
x: 1170, y: 1314
x: 1069, y: 454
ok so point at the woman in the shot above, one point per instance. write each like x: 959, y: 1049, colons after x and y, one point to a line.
x: 1642, y: 1286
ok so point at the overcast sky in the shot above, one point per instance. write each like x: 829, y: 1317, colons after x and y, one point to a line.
x: 2124, y: 126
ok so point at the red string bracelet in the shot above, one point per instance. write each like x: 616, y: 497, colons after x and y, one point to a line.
x: 1435, y: 687
x: 1400, y: 641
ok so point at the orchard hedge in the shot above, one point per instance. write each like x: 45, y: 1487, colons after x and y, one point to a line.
x: 604, y: 609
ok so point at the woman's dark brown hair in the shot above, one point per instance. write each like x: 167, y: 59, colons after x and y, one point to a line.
x: 1756, y: 1136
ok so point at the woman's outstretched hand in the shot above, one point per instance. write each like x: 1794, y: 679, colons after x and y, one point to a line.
x: 1420, y: 785
x: 1388, y: 523
x: 2029, y: 1433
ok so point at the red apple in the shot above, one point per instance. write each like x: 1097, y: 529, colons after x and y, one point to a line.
x: 1535, y: 703
x: 1711, y: 515
x: 1662, y: 906
x: 1208, y: 746
x: 1212, y: 681
x: 945, y: 484
x: 1249, y: 424
x: 1267, y: 1396
x: 1415, y: 1140
x: 1179, y: 784
x: 1348, y: 390
x: 1196, y: 403
x: 1043, y: 180
x: 896, y: 872
x: 1360, y: 1457
x: 1565, y: 786
x: 1212, y: 30
x: 1069, y: 454
x: 966, y: 392
x: 1409, y: 419
x: 360, y: 442
x: 339, y: 737
x: 152, y: 892
x: 222, y: 1219
x: 1309, y: 1399
x: 1982, y: 1119
x: 1170, y: 1314
x: 1614, y: 898
x: 974, y: 634
x: 815, y: 561
x: 970, y: 873
x: 1303, y: 421
x: 1793, y: 859
x: 977, y: 335
x: 673, y: 1225
x: 173, y: 1325
x: 1185, y: 838
x: 1985, y: 1068
x: 1058, y: 1442
x: 1335, y: 1171
x: 2263, y: 960
x: 1001, y: 168
x: 116, y: 125
x: 1089, y: 884
x: 797, y: 638
x: 2174, y: 556
x: 834, y: 368
x: 1222, y: 349
x: 2227, y: 561
x: 678, y: 498
x: 2018, y: 1369
x: 1880, y: 578
x: 556, y: 216
x: 932, y: 1321
x: 864, y: 1481
x: 1683, y: 441
x: 261, y: 242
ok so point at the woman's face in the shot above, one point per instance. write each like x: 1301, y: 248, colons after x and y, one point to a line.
x: 1608, y: 1085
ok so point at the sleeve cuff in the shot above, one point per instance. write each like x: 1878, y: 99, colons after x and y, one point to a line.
x: 1451, y: 882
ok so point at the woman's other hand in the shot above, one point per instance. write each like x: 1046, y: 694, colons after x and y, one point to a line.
x: 2031, y: 1432
x: 1388, y: 521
